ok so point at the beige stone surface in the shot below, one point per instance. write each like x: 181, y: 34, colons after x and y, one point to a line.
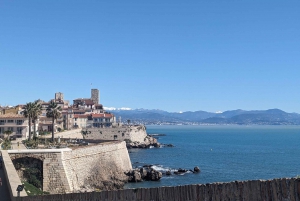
x: 92, y: 166
x: 87, y: 167
x: 12, y: 176
x: 132, y: 133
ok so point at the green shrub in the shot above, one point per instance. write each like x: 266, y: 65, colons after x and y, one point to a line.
x: 33, y: 176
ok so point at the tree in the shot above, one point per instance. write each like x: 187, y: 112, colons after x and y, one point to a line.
x: 6, y: 143
x: 28, y: 113
x: 8, y: 133
x: 54, y: 112
x: 128, y: 121
x: 37, y: 111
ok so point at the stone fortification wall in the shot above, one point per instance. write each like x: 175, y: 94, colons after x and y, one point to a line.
x: 97, y: 166
x: 54, y: 175
x: 11, y: 176
x: 275, y: 190
x: 133, y: 133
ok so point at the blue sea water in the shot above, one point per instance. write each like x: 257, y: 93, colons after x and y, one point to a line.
x: 223, y: 153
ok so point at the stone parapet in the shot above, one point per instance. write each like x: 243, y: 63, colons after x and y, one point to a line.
x: 12, y: 176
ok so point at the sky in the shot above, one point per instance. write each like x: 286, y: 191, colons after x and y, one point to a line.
x: 172, y: 55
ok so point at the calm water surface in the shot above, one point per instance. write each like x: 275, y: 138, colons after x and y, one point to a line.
x: 223, y: 153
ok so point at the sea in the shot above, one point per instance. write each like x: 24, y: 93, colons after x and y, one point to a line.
x: 223, y: 153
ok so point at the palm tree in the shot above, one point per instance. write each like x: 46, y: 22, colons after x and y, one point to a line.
x: 37, y: 111
x: 28, y: 113
x: 54, y: 112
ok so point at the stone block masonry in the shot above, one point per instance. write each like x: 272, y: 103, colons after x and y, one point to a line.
x: 54, y: 175
x: 83, y: 169
x: 96, y: 166
x: 132, y: 133
x: 256, y: 190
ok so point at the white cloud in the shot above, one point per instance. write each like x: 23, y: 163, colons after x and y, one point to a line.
x: 218, y: 112
x: 113, y: 108
x: 109, y: 108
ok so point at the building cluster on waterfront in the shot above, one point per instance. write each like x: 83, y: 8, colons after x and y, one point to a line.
x: 82, y: 113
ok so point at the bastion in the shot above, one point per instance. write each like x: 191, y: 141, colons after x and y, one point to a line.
x: 86, y: 168
x: 132, y: 133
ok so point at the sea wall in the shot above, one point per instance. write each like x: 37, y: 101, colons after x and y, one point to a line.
x: 256, y: 190
x: 97, y: 167
x: 132, y: 133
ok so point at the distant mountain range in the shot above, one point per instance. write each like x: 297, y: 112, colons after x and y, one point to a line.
x: 243, y: 117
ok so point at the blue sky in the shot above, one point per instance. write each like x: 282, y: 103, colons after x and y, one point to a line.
x: 171, y: 55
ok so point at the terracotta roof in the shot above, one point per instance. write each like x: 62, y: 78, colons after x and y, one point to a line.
x: 103, y: 115
x: 80, y: 115
x: 11, y: 115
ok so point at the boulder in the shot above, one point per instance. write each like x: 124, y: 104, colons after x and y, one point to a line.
x: 196, y: 169
x: 157, y: 145
x: 153, y: 175
x: 168, y: 172
x: 134, y: 176
x: 182, y: 170
x: 143, y: 172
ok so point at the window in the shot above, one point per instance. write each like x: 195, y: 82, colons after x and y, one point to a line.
x: 19, y: 122
x: 2, y: 122
x: 19, y: 130
x: 10, y: 129
x: 1, y: 130
x: 10, y: 121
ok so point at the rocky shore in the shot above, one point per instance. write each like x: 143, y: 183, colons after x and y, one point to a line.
x: 147, y: 143
x: 144, y: 173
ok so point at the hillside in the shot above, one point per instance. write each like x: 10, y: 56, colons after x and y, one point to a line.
x: 260, y: 117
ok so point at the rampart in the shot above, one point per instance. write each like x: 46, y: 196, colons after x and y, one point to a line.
x: 86, y: 167
x: 12, y: 177
x: 54, y: 174
x: 132, y: 133
x: 92, y: 166
x: 256, y: 190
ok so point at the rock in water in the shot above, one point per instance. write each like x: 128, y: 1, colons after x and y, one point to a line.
x: 196, y: 169
x: 134, y: 176
x: 168, y: 172
x: 153, y: 175
x: 182, y: 170
x: 143, y: 172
